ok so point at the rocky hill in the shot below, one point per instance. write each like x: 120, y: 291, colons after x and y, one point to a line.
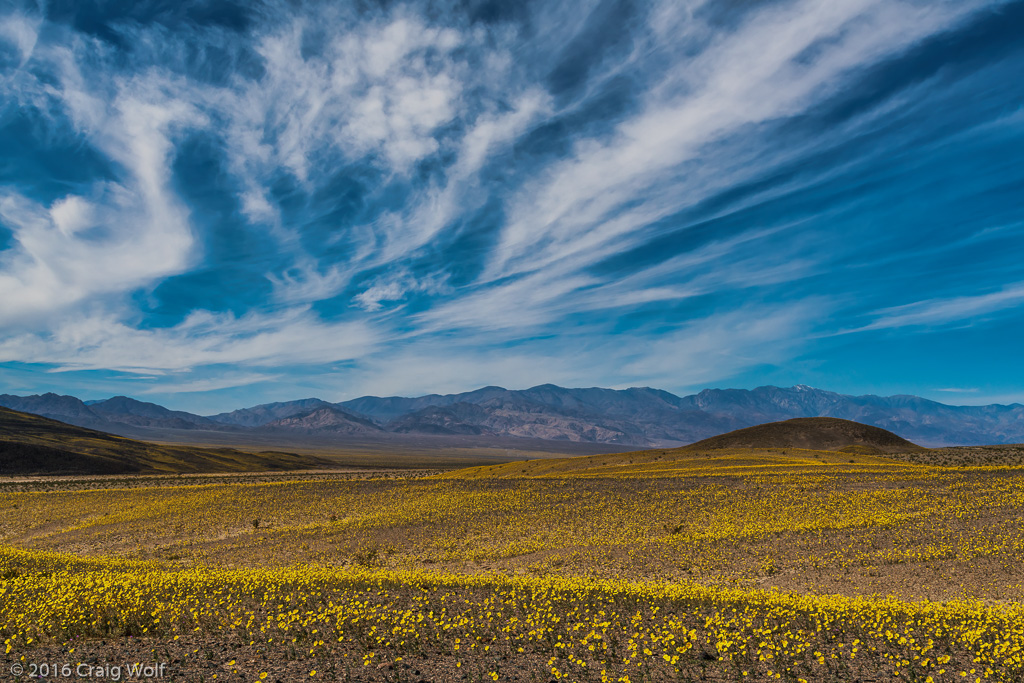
x: 813, y: 433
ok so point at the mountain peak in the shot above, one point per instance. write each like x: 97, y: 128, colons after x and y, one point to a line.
x: 327, y: 417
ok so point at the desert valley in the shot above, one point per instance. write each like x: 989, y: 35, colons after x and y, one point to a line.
x: 813, y: 549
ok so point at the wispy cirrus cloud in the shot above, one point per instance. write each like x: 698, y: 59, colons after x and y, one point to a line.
x: 21, y: 31
x: 101, y: 342
x: 949, y: 311
x: 780, y: 61
x: 120, y: 234
x: 229, y: 380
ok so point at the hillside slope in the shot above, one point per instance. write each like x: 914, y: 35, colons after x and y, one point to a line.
x: 30, y: 444
x: 813, y: 433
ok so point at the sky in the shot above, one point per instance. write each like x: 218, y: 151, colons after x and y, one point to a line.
x: 211, y: 205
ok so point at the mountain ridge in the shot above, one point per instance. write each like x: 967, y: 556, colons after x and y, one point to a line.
x: 640, y: 416
x: 325, y: 418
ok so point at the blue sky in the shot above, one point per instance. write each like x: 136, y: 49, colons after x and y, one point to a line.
x: 211, y: 205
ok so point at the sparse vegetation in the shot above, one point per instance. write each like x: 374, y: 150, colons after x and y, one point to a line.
x: 789, y: 566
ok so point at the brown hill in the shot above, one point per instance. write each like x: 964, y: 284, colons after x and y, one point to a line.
x: 814, y: 433
x: 30, y: 444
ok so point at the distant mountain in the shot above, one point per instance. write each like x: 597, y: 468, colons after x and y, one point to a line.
x: 815, y: 433
x: 651, y: 417
x: 514, y: 416
x: 257, y: 416
x: 387, y: 409
x: 64, y: 408
x: 109, y: 415
x: 30, y: 444
x: 326, y: 419
x: 639, y: 416
x: 457, y: 418
x: 141, y: 414
x: 642, y: 417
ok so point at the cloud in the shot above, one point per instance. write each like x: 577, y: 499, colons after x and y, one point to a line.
x: 723, y: 345
x: 22, y: 32
x: 229, y: 380
x: 601, y: 198
x: 493, y: 131
x: 397, y: 287
x: 371, y: 91
x: 546, y: 297
x: 121, y: 234
x: 436, y: 208
x: 304, y: 283
x: 389, y: 91
x: 293, y: 336
x: 520, y: 305
x: 954, y: 310
x: 371, y: 298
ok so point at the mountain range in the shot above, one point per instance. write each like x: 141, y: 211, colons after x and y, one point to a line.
x: 642, y: 416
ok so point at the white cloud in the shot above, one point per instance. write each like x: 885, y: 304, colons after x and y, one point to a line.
x: 22, y: 32
x: 370, y: 92
x: 304, y: 283
x: 489, y: 136
x: 292, y: 337
x: 937, y: 312
x: 257, y: 208
x: 721, y: 345
x: 523, y: 304
x: 396, y: 287
x: 121, y: 235
x: 227, y: 380
x: 494, y: 131
x: 371, y: 298
x: 601, y: 198
x: 519, y: 305
x: 377, y: 93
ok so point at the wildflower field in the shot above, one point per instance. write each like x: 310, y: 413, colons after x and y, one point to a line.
x: 737, y: 566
